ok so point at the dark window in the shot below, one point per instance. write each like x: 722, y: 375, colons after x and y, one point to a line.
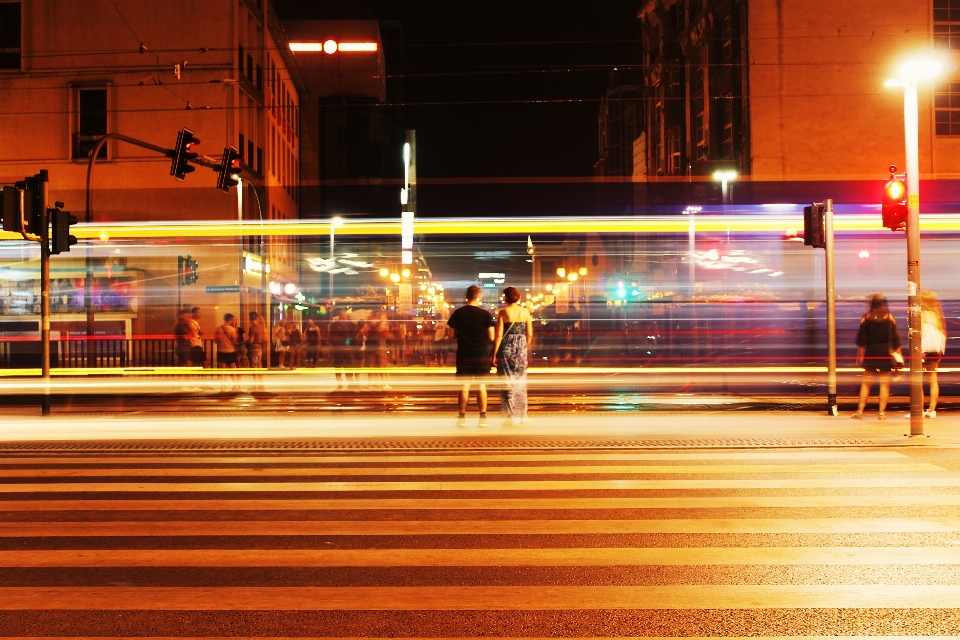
x: 92, y: 122
x: 260, y: 160
x: 241, y: 147
x: 947, y: 105
x: 250, y: 68
x: 240, y: 58
x: 10, y: 13
x: 250, y: 156
x: 260, y: 78
x: 946, y: 24
x: 725, y: 116
x: 726, y: 40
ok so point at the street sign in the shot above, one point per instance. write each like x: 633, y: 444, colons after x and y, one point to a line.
x: 405, y: 299
x: 229, y: 288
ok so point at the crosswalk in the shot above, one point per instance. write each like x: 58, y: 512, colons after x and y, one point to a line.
x: 478, y: 543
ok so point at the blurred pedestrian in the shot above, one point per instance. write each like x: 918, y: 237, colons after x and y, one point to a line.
x: 198, y: 355
x: 441, y: 343
x: 933, y: 342
x: 256, y: 346
x: 378, y: 336
x: 511, y: 347
x: 472, y: 326
x: 225, y: 338
x: 878, y: 351
x: 342, y: 332
x: 295, y: 338
x: 183, y: 333
x: 311, y: 337
x: 281, y: 346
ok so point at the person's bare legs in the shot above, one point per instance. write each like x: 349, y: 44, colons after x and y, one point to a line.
x: 934, y: 391
x: 464, y: 399
x: 482, y: 398
x: 865, y: 390
x: 884, y: 390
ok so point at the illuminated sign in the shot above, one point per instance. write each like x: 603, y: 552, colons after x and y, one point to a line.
x: 332, y: 46
x: 486, y: 276
x: 253, y: 264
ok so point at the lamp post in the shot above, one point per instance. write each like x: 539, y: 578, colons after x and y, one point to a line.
x: 334, y: 223
x: 911, y: 73
x: 725, y: 176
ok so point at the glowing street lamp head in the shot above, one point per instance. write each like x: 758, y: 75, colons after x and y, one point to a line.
x: 395, y: 276
x: 384, y: 272
x: 916, y: 70
x: 336, y: 221
x: 562, y: 272
x: 330, y: 46
x: 582, y: 271
x: 725, y: 175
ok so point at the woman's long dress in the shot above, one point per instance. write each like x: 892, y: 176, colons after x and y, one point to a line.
x: 512, y: 367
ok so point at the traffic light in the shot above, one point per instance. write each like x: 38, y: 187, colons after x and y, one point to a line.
x: 189, y: 271
x: 182, y: 155
x: 893, y: 205
x: 60, y: 221
x: 229, y: 172
x: 11, y: 209
x: 813, y: 231
x: 32, y: 207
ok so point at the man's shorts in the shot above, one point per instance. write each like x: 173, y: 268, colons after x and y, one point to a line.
x: 227, y: 358
x: 931, y: 361
x: 473, y: 370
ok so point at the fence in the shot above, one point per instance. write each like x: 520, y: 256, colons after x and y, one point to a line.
x: 106, y: 352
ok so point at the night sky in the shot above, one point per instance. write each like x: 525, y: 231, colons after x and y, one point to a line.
x: 475, y: 74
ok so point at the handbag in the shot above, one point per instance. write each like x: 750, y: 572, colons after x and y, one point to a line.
x: 932, y: 339
x: 897, y: 358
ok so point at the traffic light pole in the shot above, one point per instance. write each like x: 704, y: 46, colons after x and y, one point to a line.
x: 912, y: 136
x: 831, y: 309
x: 43, y: 183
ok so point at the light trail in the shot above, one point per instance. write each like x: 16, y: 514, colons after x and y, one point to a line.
x: 705, y: 223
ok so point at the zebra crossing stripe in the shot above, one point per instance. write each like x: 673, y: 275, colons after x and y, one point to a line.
x: 476, y: 527
x: 702, y: 469
x: 536, y: 557
x: 502, y: 598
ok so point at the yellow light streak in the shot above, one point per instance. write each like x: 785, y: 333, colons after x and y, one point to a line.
x: 776, y: 224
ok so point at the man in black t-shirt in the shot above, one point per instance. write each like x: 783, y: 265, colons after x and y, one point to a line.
x: 472, y: 326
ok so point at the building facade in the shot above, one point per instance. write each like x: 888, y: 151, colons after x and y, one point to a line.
x: 72, y: 72
x: 792, y: 91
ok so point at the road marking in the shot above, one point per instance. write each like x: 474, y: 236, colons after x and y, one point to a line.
x: 266, y: 457
x: 538, y: 557
x: 466, y: 471
x: 474, y: 527
x: 536, y: 598
x: 460, y: 504
x: 473, y: 485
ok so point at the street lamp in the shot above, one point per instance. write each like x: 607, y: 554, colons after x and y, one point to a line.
x: 725, y: 176
x: 335, y: 222
x: 910, y: 74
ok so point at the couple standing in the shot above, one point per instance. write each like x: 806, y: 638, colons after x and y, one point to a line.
x: 510, y: 335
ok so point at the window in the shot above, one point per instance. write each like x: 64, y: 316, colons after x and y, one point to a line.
x: 725, y: 104
x: 673, y: 144
x: 726, y: 40
x: 92, y: 124
x: 946, y: 24
x: 240, y: 57
x: 10, y: 13
x: 242, y: 148
x: 947, y: 105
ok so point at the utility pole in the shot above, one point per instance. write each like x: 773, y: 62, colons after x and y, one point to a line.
x: 912, y: 136
x: 42, y: 182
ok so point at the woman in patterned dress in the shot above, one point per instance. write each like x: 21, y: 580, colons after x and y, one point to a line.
x: 511, y: 347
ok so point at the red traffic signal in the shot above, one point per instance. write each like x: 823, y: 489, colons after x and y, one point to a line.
x: 182, y: 155
x: 893, y: 205
x: 229, y: 173
x: 814, y: 233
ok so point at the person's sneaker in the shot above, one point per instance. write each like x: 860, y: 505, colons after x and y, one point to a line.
x: 930, y: 414
x: 483, y: 423
x: 461, y: 422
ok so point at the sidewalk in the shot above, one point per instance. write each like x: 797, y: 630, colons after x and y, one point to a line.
x: 595, y: 428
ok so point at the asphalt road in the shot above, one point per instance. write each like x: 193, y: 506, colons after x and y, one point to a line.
x: 467, y: 538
